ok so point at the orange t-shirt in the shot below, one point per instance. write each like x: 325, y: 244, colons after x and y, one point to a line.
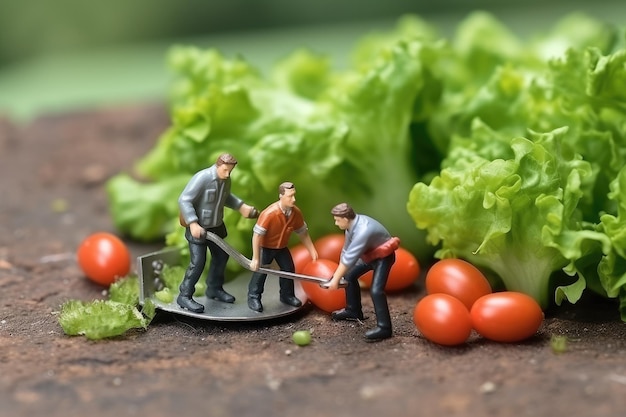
x: 275, y: 227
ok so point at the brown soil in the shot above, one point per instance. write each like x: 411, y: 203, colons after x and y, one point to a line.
x: 181, y: 366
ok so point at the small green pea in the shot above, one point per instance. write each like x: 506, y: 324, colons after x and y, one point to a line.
x: 301, y: 337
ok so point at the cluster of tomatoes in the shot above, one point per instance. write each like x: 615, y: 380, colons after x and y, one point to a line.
x: 459, y: 299
x: 403, y: 274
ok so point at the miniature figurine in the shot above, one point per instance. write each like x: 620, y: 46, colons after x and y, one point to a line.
x: 368, y: 246
x: 201, y: 207
x: 269, y: 242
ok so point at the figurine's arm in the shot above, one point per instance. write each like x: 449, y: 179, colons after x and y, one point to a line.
x: 246, y: 210
x: 305, y: 238
x: 186, y: 205
x: 256, y: 251
x: 354, y: 248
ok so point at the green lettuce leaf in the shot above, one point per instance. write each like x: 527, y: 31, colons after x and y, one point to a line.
x: 144, y: 210
x: 101, y: 319
x: 498, y: 89
x: 509, y: 205
x: 125, y: 290
x: 612, y: 266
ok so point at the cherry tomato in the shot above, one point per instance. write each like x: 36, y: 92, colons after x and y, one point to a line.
x: 301, y: 256
x: 329, y: 246
x: 506, y: 316
x: 442, y: 319
x: 365, y: 280
x: 324, y: 299
x: 457, y: 278
x: 403, y: 274
x: 103, y: 257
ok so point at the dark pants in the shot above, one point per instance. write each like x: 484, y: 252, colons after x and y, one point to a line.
x: 198, y: 251
x: 285, y: 262
x: 381, y: 269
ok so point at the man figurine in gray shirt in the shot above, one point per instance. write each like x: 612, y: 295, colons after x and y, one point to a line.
x: 368, y: 246
x: 201, y: 207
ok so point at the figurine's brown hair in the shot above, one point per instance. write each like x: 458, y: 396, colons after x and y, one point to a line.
x: 226, y: 158
x: 285, y: 186
x: 343, y: 210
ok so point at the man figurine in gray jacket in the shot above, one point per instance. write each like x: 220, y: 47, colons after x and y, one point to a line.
x: 368, y: 246
x: 201, y: 207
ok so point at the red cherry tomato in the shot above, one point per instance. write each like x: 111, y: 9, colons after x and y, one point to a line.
x: 103, y: 257
x: 506, y: 316
x: 403, y: 274
x: 329, y: 246
x: 457, y: 278
x: 442, y: 319
x: 365, y: 280
x: 301, y: 256
x: 324, y: 299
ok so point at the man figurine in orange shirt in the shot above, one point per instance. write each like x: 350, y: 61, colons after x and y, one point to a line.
x: 270, y: 238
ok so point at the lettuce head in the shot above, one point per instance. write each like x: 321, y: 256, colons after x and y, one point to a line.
x: 533, y: 138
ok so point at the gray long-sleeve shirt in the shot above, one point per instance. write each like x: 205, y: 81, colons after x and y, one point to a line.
x: 204, y: 198
x: 363, y: 235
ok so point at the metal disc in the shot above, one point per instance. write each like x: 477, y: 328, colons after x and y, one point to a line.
x: 216, y: 310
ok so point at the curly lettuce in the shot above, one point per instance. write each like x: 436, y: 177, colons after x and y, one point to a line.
x: 612, y: 266
x: 533, y: 135
x: 100, y: 319
x: 510, y: 206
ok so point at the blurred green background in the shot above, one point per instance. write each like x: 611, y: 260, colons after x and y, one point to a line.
x: 62, y: 55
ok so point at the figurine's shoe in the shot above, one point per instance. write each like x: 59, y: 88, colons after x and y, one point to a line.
x: 254, y: 304
x: 346, y: 315
x: 189, y: 304
x: 220, y: 295
x: 291, y: 300
x: 378, y: 333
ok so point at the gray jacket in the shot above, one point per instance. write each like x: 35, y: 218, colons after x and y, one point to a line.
x: 204, y: 198
x: 363, y: 235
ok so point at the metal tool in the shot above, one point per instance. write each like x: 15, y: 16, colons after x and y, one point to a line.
x: 245, y: 262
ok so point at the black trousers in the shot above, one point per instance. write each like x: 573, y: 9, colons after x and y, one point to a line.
x: 198, y: 252
x: 285, y: 262
x: 381, y: 268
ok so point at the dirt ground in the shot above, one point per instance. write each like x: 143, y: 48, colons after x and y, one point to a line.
x: 182, y: 366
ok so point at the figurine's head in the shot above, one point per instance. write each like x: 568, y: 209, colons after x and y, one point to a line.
x: 343, y: 215
x: 225, y: 164
x: 287, y: 194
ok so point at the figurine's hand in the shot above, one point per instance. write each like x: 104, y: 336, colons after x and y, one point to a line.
x: 249, y: 212
x: 254, y: 264
x: 197, y: 231
x: 253, y: 213
x: 333, y: 284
